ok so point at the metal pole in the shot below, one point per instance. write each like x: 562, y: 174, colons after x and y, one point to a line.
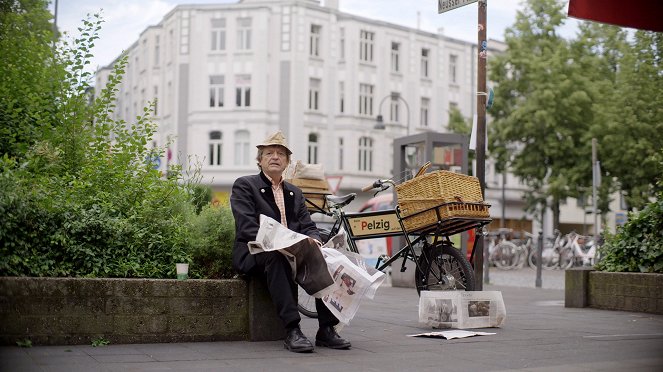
x: 481, y: 125
x: 594, y: 178
x: 503, y: 220
x: 539, y: 254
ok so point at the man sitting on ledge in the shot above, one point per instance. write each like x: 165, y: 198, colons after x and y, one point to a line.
x: 267, y: 193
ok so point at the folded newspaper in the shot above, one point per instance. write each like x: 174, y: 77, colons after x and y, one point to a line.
x: 350, y: 278
x: 462, y: 309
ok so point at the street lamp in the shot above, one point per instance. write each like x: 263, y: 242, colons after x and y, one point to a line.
x: 379, y: 124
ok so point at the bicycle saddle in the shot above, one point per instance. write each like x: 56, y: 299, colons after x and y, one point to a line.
x: 341, y: 201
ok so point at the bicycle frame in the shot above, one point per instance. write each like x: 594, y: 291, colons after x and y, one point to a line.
x: 389, y: 223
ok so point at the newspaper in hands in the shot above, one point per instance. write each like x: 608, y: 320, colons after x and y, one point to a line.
x: 273, y: 236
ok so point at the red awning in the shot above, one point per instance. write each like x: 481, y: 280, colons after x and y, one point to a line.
x: 641, y: 14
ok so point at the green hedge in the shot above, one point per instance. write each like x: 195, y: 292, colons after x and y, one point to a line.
x: 638, y: 245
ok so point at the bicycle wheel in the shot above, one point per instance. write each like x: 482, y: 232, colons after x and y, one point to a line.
x: 443, y: 267
x: 306, y: 302
x: 507, y: 255
x: 566, y: 258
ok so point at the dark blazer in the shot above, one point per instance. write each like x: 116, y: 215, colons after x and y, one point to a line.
x: 252, y: 196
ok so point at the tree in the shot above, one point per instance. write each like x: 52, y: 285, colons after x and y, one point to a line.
x: 542, y: 108
x: 27, y: 77
x: 631, y: 130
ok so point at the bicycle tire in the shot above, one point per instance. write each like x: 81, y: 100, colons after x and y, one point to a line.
x: 443, y: 267
x: 566, y: 258
x: 306, y: 302
x: 506, y: 254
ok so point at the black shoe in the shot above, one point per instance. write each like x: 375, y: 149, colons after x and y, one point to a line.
x: 328, y: 337
x: 295, y: 341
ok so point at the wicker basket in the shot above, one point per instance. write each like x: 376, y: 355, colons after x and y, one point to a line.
x: 442, y: 193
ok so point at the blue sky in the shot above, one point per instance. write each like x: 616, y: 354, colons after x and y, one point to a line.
x: 126, y: 19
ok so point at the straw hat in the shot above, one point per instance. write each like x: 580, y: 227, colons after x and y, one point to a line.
x: 276, y: 139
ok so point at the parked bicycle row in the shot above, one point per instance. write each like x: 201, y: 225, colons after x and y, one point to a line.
x: 510, y: 250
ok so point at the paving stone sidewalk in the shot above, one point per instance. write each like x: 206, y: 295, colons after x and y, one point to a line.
x: 540, y: 334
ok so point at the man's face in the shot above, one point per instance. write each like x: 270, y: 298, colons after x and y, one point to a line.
x: 274, y: 160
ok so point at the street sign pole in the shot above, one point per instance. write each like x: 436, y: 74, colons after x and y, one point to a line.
x: 482, y: 96
x: 481, y: 130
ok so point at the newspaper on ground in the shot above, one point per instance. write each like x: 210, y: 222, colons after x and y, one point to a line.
x: 462, y: 309
x: 341, y: 286
x: 449, y: 335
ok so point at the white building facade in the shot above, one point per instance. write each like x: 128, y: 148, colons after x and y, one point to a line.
x: 224, y: 76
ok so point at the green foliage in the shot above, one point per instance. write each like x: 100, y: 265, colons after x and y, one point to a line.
x: 100, y: 341
x: 553, y: 96
x: 202, y: 196
x: 631, y: 124
x: 211, y: 250
x: 24, y: 343
x: 638, y: 245
x: 28, y: 74
x: 542, y: 106
x: 82, y: 199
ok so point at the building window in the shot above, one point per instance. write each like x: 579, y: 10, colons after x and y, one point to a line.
x: 365, y: 99
x: 216, y: 83
x: 314, y: 47
x: 394, y: 106
x: 218, y: 34
x: 366, y: 40
x: 424, y: 62
x: 244, y: 33
x: 243, y: 90
x: 425, y: 104
x: 365, y: 154
x: 156, y: 50
x: 341, y: 43
x: 340, y: 153
x: 395, y: 56
x: 453, y: 62
x: 313, y: 148
x: 314, y: 95
x: 242, y: 147
x: 341, y: 97
x: 215, y: 147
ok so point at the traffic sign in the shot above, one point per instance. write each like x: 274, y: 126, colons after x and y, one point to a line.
x: 447, y: 5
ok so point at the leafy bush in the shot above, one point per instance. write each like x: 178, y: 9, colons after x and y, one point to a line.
x: 211, y: 249
x: 638, y: 245
x: 83, y: 199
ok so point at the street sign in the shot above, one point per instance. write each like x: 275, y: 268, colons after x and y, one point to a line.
x: 447, y: 5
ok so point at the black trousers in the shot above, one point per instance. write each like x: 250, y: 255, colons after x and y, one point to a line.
x: 275, y: 267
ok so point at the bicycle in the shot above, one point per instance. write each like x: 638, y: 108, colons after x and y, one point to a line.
x: 438, y: 264
x: 503, y: 253
x: 555, y: 253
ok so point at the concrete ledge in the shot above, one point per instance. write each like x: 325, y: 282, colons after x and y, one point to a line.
x: 638, y: 292
x: 61, y: 311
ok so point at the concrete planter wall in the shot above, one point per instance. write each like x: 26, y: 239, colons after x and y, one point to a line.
x: 60, y: 311
x: 639, y: 292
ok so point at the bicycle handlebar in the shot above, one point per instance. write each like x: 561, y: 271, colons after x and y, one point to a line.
x: 378, y: 184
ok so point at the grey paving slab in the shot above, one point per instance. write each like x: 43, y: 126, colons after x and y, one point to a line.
x: 539, y: 335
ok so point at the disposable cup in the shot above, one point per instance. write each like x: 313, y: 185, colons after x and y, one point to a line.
x: 182, y: 271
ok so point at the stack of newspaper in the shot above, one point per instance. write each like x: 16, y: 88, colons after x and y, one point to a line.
x: 462, y: 309
x: 350, y: 278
